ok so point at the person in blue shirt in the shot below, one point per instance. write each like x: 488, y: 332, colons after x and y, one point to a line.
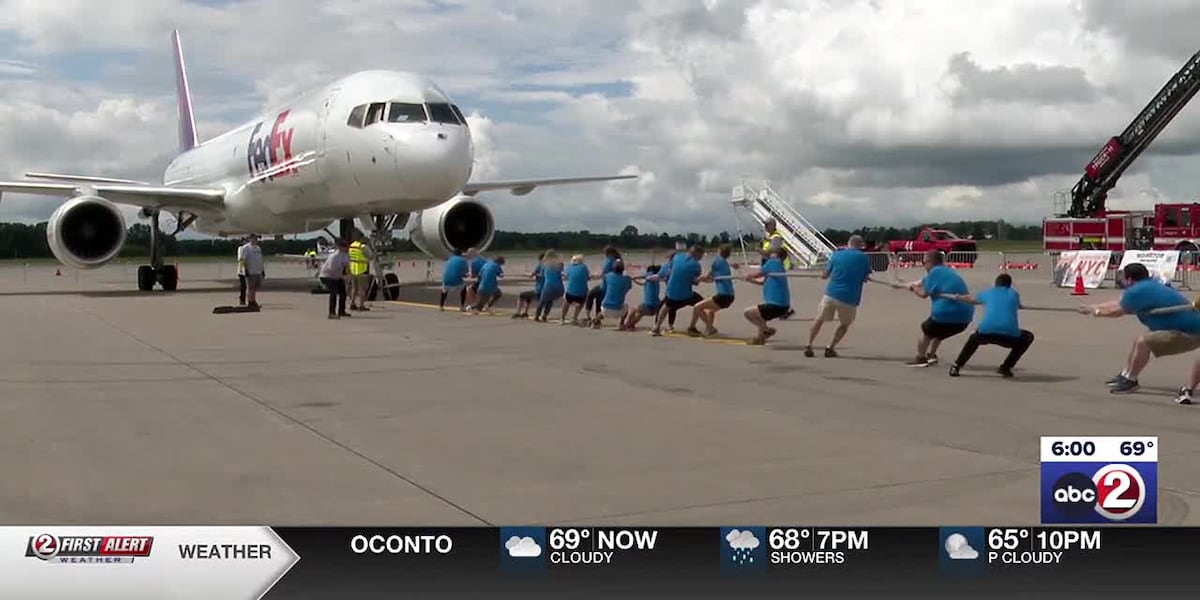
x: 616, y: 287
x: 664, y: 274
x: 489, y: 285
x: 651, y: 298
x: 552, y: 285
x: 1000, y: 325
x: 526, y: 299
x: 577, y: 276
x: 454, y: 277
x: 847, y: 272
x: 947, y: 318
x: 685, y: 274
x: 476, y: 262
x: 1170, y: 334
x: 777, y: 297
x: 722, y: 275
x: 596, y: 295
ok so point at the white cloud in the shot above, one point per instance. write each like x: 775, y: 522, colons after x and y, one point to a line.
x: 861, y: 112
x: 742, y: 540
x: 523, y: 547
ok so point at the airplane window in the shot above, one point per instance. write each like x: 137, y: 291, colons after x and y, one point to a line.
x: 442, y: 113
x: 399, y: 112
x: 458, y: 113
x: 356, y: 116
x: 375, y: 114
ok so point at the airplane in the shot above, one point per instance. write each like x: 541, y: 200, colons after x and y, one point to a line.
x: 384, y: 148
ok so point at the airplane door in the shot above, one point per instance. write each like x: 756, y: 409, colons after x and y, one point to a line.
x: 325, y: 114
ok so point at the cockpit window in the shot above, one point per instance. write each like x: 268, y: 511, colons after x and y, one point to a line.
x: 458, y: 113
x: 375, y: 113
x: 399, y: 112
x: 441, y: 112
x: 356, y: 116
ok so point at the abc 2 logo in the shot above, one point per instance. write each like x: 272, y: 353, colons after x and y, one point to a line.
x: 1080, y: 492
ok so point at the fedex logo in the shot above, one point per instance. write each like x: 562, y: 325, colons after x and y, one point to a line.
x: 269, y: 154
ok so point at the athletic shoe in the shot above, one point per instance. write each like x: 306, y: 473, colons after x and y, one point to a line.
x: 333, y: 316
x: 830, y: 353
x: 344, y: 314
x: 769, y: 332
x: 1005, y: 372
x: 918, y: 362
x: 1184, y: 396
x: 693, y: 332
x: 1125, y: 386
x: 711, y: 331
x: 654, y: 332
x: 1114, y: 380
x: 808, y: 352
x: 364, y: 308
x: 562, y: 321
x: 757, y: 340
x: 932, y: 359
x: 954, y: 370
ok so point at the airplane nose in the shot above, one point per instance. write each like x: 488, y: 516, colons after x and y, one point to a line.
x: 440, y: 160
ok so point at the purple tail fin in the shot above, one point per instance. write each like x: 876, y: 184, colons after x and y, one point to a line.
x: 187, y: 123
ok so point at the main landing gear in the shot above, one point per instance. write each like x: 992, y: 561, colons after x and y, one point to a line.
x: 379, y: 240
x: 157, y: 272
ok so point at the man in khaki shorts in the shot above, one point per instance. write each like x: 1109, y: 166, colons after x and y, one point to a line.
x: 847, y: 271
x: 1170, y: 334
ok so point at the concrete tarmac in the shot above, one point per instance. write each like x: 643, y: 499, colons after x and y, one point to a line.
x: 120, y: 407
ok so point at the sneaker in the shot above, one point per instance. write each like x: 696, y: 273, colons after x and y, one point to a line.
x: 670, y: 329
x: 364, y: 308
x: 770, y: 332
x: 710, y: 331
x: 242, y: 302
x: 918, y: 362
x: 954, y: 370
x: 830, y: 353
x: 693, y: 332
x: 808, y: 351
x: 1125, y: 386
x: 333, y: 316
x: 758, y: 340
x: 344, y: 314
x: 1184, y: 396
x: 354, y: 307
x: 562, y: 321
x: 518, y: 316
x: 597, y: 324
x: 932, y: 359
x: 1114, y: 380
x: 655, y: 332
x: 1005, y: 372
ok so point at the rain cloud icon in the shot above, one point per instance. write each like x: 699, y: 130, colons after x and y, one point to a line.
x: 743, y: 544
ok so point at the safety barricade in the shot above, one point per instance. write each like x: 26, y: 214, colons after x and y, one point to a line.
x: 1184, y: 276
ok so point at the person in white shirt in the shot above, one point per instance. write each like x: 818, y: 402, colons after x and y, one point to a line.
x: 250, y: 264
x: 333, y: 276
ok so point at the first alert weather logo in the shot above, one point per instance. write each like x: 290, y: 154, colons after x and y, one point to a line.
x: 89, y: 549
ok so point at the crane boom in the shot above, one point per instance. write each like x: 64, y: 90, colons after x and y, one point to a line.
x: 1103, y: 171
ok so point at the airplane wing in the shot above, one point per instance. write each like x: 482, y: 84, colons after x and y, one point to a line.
x: 520, y: 187
x: 191, y: 199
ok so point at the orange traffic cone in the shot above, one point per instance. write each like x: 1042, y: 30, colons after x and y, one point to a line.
x: 1079, y: 291
x: 58, y: 272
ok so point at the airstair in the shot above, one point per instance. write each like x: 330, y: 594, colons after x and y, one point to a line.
x: 806, y: 245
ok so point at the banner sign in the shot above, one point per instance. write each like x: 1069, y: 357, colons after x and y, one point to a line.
x: 1162, y: 264
x: 1091, y: 264
x: 735, y: 561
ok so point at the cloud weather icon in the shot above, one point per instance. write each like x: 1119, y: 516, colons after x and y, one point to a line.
x: 523, y: 547
x: 959, y: 549
x: 743, y: 544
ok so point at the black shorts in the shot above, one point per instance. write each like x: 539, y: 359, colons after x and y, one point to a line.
x: 575, y: 299
x: 770, y: 312
x: 649, y: 310
x: 678, y: 304
x: 942, y: 331
x: 722, y: 301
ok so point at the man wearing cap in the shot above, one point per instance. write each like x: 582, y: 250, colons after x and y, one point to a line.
x: 250, y: 265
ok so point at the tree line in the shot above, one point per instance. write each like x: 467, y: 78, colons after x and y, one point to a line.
x: 18, y: 240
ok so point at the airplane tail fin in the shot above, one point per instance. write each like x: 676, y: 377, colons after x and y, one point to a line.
x: 187, y: 123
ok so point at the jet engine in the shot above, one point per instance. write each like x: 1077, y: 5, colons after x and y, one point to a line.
x: 86, y: 232
x: 459, y: 223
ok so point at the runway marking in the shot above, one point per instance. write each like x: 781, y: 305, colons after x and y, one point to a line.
x: 728, y: 341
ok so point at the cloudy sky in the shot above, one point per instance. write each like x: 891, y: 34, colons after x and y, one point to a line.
x: 860, y: 112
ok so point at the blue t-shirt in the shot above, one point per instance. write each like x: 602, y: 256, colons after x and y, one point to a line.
x: 552, y: 286
x: 943, y: 280
x: 538, y: 279
x: 455, y: 271
x: 605, y: 269
x: 1000, y: 307
x: 1149, y: 294
x: 684, y: 273
x: 775, y: 289
x: 577, y: 280
x: 720, y: 268
x: 477, y: 265
x: 489, y: 278
x: 652, y: 293
x: 616, y: 287
x: 848, y: 271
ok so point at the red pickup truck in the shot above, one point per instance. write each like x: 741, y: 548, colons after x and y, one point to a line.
x: 956, y: 248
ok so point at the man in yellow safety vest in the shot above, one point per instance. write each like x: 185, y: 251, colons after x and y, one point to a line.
x: 773, y: 241
x: 360, y: 274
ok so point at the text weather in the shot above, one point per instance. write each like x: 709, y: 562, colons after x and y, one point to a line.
x: 1111, y: 479
x: 1025, y: 546
x: 581, y: 546
x: 813, y: 546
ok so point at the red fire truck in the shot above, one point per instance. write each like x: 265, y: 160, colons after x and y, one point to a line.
x: 1088, y: 225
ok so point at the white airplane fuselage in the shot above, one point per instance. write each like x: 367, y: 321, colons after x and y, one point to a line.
x: 301, y: 165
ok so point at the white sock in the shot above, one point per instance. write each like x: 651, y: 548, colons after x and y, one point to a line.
x: 1125, y: 373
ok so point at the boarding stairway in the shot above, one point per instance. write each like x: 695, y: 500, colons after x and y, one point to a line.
x: 806, y: 245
